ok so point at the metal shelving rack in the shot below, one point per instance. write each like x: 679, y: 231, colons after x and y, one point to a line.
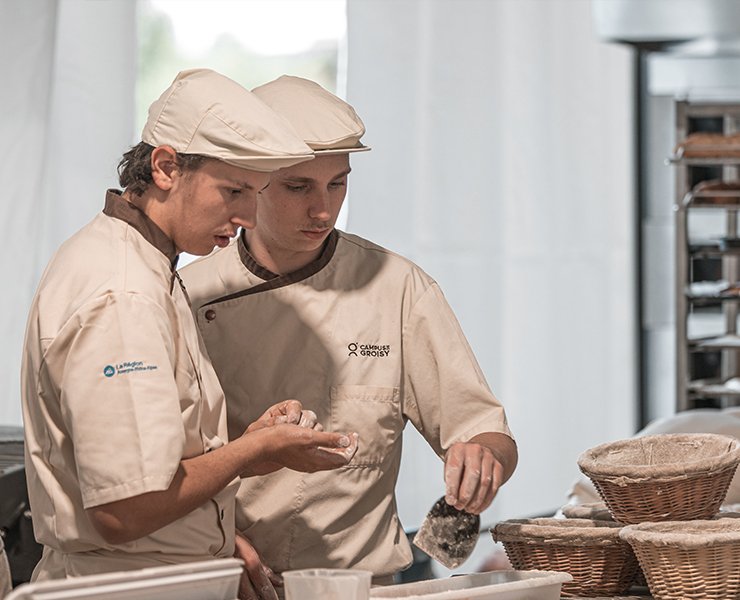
x: 723, y: 388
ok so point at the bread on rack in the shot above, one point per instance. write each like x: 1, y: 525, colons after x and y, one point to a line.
x: 702, y: 144
x: 716, y: 191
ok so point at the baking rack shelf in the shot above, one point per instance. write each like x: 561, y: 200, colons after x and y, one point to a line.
x: 707, y: 366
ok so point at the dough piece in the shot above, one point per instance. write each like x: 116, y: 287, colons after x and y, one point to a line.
x: 709, y: 145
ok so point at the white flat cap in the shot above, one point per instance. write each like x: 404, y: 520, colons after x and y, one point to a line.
x: 206, y: 113
x: 326, y: 123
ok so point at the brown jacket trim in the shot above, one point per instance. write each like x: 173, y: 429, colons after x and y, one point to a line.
x: 252, y: 265
x: 118, y: 208
x: 273, y: 280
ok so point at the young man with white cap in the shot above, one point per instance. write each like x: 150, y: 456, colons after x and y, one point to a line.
x: 365, y: 338
x: 125, y: 422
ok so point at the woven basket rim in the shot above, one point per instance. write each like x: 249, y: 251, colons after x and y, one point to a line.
x: 548, y: 530
x: 688, y: 534
x: 592, y: 462
x: 588, y: 510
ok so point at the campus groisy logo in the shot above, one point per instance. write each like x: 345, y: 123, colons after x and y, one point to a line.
x: 369, y: 350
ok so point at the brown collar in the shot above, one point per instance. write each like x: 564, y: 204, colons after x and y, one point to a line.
x: 299, y: 275
x: 118, y: 208
x: 272, y: 280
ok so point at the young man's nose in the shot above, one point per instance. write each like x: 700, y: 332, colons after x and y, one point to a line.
x: 247, y: 214
x: 319, y: 205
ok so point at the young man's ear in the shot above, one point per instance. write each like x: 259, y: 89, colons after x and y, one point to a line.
x: 164, y: 167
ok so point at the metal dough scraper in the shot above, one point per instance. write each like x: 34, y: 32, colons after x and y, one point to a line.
x: 447, y: 534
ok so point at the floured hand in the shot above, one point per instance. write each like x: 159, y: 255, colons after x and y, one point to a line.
x: 472, y: 477
x: 287, y: 411
x: 347, y: 453
x: 475, y: 470
x: 300, y: 449
x: 258, y: 582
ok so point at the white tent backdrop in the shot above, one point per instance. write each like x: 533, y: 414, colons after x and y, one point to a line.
x: 501, y: 163
x: 66, y: 116
x: 502, y: 145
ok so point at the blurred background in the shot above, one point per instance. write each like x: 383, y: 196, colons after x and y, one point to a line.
x: 518, y: 157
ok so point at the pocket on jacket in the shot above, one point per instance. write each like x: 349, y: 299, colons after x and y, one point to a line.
x: 372, y: 411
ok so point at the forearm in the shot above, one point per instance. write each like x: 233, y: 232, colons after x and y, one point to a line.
x: 197, y: 480
x: 200, y: 478
x: 503, y: 448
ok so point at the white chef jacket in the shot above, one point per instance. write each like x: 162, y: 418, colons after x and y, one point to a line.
x: 116, y: 391
x: 364, y: 338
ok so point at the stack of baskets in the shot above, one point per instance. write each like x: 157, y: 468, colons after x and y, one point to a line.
x: 668, y: 488
x: 652, y: 487
x: 598, y: 511
x: 601, y: 563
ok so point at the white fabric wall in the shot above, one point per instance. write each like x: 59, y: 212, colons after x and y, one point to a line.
x: 66, y: 116
x: 502, y: 135
x: 502, y: 140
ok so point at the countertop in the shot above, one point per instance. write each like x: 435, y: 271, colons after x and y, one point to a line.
x: 636, y: 595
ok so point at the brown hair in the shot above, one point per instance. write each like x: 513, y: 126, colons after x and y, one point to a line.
x: 135, y: 168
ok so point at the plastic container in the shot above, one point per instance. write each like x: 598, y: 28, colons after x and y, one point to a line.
x: 327, y: 584
x: 496, y: 585
x: 216, y: 579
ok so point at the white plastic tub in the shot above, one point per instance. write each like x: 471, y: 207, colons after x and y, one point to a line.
x: 208, y: 580
x: 495, y: 585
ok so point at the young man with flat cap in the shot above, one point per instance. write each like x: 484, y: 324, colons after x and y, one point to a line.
x: 125, y: 422
x: 362, y: 336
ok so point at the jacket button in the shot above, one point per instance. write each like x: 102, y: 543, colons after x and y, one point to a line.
x: 210, y: 314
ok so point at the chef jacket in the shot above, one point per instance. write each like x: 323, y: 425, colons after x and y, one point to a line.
x: 116, y: 391
x: 364, y: 338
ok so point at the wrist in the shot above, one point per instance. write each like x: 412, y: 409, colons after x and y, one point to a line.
x: 251, y: 448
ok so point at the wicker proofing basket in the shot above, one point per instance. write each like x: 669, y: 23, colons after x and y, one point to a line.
x: 599, y: 512
x: 588, y: 510
x: 665, y: 477
x: 591, y: 551
x: 697, y: 560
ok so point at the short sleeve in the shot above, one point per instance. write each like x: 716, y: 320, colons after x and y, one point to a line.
x: 115, y: 364
x: 446, y: 395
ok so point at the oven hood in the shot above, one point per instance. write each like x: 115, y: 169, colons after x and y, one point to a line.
x: 665, y: 21
x: 691, y: 47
